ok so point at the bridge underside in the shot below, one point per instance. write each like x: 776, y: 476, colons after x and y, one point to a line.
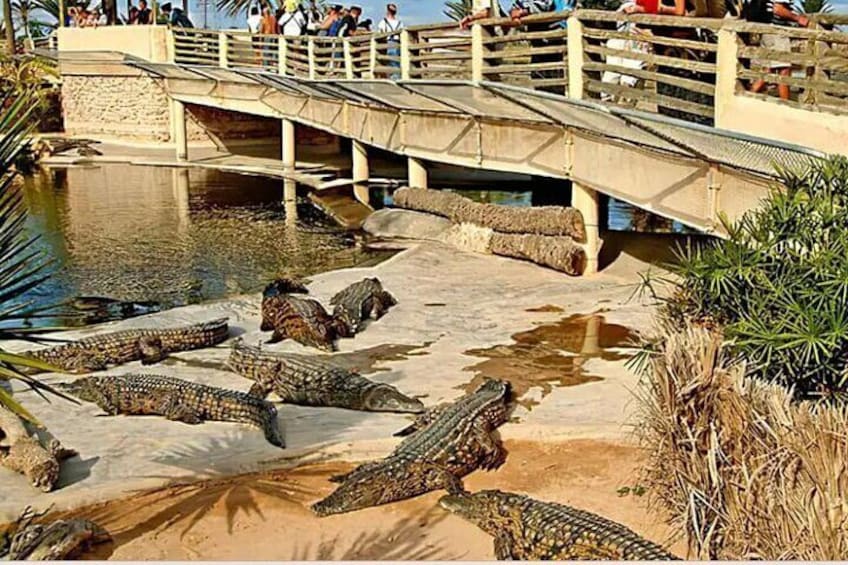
x: 685, y: 172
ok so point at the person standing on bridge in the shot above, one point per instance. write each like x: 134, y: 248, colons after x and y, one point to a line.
x: 391, y: 23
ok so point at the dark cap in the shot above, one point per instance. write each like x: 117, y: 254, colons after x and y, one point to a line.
x: 166, y: 7
x: 337, y: 8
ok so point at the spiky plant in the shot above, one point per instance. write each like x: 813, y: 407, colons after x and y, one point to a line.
x: 814, y: 6
x: 779, y: 284
x: 23, y: 266
x: 458, y: 9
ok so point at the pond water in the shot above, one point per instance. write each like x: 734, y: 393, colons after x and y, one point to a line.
x: 175, y: 236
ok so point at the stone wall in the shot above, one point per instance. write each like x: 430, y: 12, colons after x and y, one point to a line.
x: 135, y: 108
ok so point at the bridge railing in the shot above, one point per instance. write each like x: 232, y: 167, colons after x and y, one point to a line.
x: 664, y: 64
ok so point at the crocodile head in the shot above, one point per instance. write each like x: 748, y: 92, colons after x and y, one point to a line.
x: 285, y: 286
x: 387, y: 398
x: 492, y: 511
x: 87, y: 389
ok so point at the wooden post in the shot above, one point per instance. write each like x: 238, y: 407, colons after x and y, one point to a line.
x: 178, y: 129
x: 223, y: 48
x: 417, y: 173
x: 477, y: 53
x: 575, y: 58
x: 283, y: 52
x: 360, y: 167
x: 585, y: 200
x: 726, y: 65
x: 348, y: 58
x: 405, y: 62
x: 289, y: 144
x: 310, y: 55
x: 372, y: 58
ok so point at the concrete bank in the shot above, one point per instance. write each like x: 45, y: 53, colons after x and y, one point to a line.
x: 450, y: 302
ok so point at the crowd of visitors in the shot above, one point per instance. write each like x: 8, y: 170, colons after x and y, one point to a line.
x: 294, y: 18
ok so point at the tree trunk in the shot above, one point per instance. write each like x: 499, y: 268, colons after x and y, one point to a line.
x: 9, y: 26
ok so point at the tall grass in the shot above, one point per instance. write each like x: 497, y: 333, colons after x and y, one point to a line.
x: 744, y: 469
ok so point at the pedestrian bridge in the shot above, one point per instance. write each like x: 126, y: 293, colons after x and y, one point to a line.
x: 634, y: 120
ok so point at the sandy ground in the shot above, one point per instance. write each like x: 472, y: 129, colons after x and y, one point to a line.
x: 560, y: 340
x: 265, y: 515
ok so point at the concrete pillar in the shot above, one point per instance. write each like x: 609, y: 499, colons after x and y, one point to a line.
x: 362, y: 193
x: 360, y: 170
x: 289, y: 144
x: 180, y: 181
x: 586, y: 201
x: 417, y: 173
x: 290, y: 201
x: 178, y: 129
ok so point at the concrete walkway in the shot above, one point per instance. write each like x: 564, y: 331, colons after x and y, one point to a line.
x: 450, y: 302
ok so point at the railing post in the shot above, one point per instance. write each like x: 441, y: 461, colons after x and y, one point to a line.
x: 405, y: 61
x: 223, y: 48
x: 170, y: 47
x: 575, y: 58
x: 372, y: 58
x: 726, y: 65
x: 310, y: 56
x: 348, y: 59
x: 477, y: 53
x: 283, y: 54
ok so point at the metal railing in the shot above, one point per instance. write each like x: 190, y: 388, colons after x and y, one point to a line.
x: 665, y: 64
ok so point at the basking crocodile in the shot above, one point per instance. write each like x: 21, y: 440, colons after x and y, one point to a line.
x: 361, y: 301
x: 56, y: 541
x: 176, y: 399
x: 313, y: 381
x: 445, y: 444
x: 279, y: 287
x: 527, y: 529
x: 148, y: 345
x: 302, y: 319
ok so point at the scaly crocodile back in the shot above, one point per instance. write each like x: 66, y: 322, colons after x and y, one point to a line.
x: 176, y: 399
x: 99, y: 351
x: 312, y: 380
x: 528, y: 529
x: 360, y: 301
x: 301, y: 319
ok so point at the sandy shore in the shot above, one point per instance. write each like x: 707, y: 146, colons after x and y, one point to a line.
x: 561, y: 340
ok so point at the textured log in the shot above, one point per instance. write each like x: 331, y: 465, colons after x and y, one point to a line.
x: 560, y: 253
x: 25, y: 454
x: 542, y: 220
x: 27, y: 540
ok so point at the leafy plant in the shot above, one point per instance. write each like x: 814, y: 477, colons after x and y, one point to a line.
x: 458, y: 9
x: 23, y: 267
x: 778, y: 286
x: 814, y: 6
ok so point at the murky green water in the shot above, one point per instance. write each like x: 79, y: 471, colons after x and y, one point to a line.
x: 176, y: 236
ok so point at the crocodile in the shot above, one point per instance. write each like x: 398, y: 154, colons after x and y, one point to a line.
x: 361, y: 301
x: 312, y: 381
x: 57, y: 541
x: 97, y: 352
x: 302, y: 319
x: 528, y: 529
x: 444, y: 444
x: 176, y: 399
x: 279, y: 287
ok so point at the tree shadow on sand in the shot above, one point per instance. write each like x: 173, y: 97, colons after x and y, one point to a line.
x: 404, y: 541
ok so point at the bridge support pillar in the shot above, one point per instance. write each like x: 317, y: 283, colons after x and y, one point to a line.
x: 178, y: 129
x: 417, y: 176
x: 361, y: 172
x: 585, y: 200
x: 289, y: 144
x: 290, y: 201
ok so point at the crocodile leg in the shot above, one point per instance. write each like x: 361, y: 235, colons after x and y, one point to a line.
x: 173, y: 410
x: 434, y: 477
x: 493, y: 450
x: 503, y: 547
x: 277, y: 336
x: 259, y: 390
x: 151, y: 350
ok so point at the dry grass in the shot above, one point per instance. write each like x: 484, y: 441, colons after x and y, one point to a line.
x: 746, y: 472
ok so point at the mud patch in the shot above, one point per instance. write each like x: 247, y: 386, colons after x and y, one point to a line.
x: 551, y: 355
x: 546, y: 308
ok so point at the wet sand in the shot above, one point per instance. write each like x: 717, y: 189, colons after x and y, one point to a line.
x: 266, y: 516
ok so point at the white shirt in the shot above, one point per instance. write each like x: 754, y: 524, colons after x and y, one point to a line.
x: 291, y: 23
x: 386, y: 25
x: 253, y: 23
x: 493, y: 5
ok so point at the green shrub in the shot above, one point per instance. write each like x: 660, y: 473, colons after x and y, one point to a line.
x: 778, y: 286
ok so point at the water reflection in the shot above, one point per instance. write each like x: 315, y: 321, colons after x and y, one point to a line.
x: 177, y: 236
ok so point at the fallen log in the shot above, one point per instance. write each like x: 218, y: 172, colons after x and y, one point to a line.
x: 57, y: 541
x: 25, y: 454
x: 540, y: 220
x: 560, y: 253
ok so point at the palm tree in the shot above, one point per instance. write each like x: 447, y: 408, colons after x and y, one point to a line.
x: 23, y: 9
x: 9, y: 27
x: 458, y: 9
x: 23, y: 266
x: 815, y: 6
